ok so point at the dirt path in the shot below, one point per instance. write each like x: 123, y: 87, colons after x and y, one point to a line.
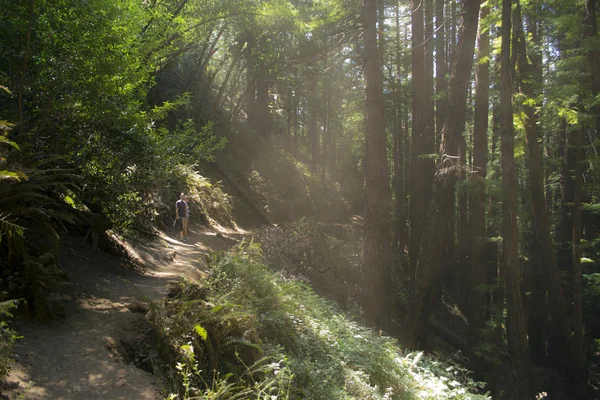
x: 76, y: 357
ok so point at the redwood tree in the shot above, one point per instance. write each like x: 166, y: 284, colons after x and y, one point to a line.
x: 427, y: 283
x: 376, y: 251
x: 477, y: 196
x: 515, y: 321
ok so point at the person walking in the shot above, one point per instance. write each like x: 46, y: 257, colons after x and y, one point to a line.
x: 181, y: 214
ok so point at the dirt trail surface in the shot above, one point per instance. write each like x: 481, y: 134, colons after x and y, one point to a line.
x: 76, y: 357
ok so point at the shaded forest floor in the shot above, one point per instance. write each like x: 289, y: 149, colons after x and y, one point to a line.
x: 78, y: 356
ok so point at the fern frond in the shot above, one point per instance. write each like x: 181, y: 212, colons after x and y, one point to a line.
x: 9, y: 228
x: 10, y: 175
x: 3, y: 139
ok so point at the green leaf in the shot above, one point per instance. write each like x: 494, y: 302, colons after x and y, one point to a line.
x: 201, y: 331
x: 12, y: 175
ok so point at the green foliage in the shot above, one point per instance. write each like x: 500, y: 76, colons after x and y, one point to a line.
x: 248, y: 332
x: 325, y: 255
x: 8, y: 337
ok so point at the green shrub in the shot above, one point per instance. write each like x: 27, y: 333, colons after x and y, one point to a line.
x: 248, y: 328
x: 325, y: 255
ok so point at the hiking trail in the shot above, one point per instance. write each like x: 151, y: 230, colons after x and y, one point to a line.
x: 77, y: 357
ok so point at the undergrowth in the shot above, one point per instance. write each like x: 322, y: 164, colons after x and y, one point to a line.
x: 324, y: 255
x: 249, y: 333
x: 8, y: 338
x: 209, y: 203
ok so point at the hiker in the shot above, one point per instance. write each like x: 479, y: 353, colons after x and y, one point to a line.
x: 182, y: 215
x: 186, y: 199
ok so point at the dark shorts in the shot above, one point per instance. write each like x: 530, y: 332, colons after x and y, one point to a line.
x: 177, y: 225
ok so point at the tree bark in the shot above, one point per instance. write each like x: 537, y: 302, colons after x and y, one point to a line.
x: 579, y: 370
x: 399, y: 211
x: 21, y: 91
x: 440, y: 71
x: 263, y: 124
x: 478, y: 303
x: 427, y: 283
x: 312, y: 127
x: 429, y: 93
x: 376, y: 251
x: 515, y: 320
x: 250, y: 82
x: 590, y: 33
x: 541, y: 218
x: 420, y: 182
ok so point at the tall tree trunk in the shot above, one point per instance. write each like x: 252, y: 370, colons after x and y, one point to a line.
x: 331, y: 132
x: 477, y: 195
x: 427, y: 283
x: 325, y: 130
x: 399, y: 211
x: 590, y: 33
x: 515, y: 320
x: 462, y: 245
x: 296, y: 106
x: 579, y: 370
x: 21, y: 91
x: 263, y: 124
x: 250, y: 82
x: 419, y: 181
x: 541, y: 218
x: 217, y: 102
x: 325, y: 136
x: 312, y: 127
x: 376, y: 251
x: 429, y: 93
x: 440, y: 71
x: 290, y: 113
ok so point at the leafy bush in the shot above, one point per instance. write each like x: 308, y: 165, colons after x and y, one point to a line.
x: 249, y: 331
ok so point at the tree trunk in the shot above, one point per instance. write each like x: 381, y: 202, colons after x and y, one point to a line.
x: 515, y: 320
x: 325, y: 130
x: 296, y: 118
x: 376, y: 251
x: 263, y: 124
x: 463, y: 242
x: 217, y: 101
x: 251, y: 83
x: 541, y: 218
x: 427, y: 283
x: 579, y: 370
x: 21, y: 91
x: 420, y: 182
x: 440, y: 71
x: 478, y: 232
x: 312, y: 127
x: 399, y: 211
x: 429, y: 93
x: 590, y: 32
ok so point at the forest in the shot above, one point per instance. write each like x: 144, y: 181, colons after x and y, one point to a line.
x: 413, y: 185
